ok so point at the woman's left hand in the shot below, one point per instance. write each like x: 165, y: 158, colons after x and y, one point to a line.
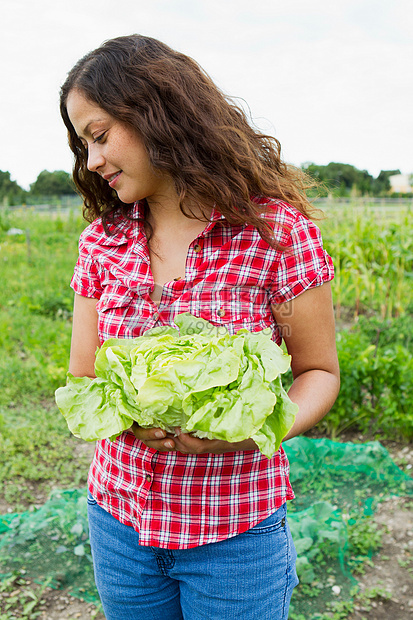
x: 188, y: 444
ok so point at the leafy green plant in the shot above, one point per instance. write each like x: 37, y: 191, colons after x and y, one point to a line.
x: 376, y: 393
x: 317, y: 535
x: 386, y: 333
x: 17, y: 595
x: 364, y: 539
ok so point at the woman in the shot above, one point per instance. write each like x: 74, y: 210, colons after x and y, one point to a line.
x: 191, y: 209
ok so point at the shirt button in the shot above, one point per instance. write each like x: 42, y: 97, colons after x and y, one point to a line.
x: 155, y: 316
x: 221, y: 312
x: 197, y: 248
x: 148, y: 478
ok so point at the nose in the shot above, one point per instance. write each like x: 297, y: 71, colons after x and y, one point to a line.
x: 95, y: 159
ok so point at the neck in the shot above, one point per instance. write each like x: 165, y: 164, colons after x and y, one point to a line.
x: 167, y: 215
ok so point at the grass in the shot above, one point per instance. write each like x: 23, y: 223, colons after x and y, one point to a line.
x: 36, y: 448
x: 37, y: 453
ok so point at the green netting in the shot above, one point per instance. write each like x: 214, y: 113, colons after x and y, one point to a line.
x: 347, y: 474
x: 331, y: 480
x: 51, y: 543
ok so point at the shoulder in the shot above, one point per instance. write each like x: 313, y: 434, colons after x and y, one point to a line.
x: 278, y: 210
x: 95, y: 235
x: 287, y: 221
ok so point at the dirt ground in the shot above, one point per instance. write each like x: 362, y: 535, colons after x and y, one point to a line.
x: 393, y: 565
x: 58, y: 605
x: 391, y: 573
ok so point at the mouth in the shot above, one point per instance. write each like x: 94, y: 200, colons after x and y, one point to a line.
x: 112, y: 178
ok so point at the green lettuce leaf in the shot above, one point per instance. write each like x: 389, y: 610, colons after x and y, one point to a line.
x: 278, y: 423
x: 200, y: 378
x: 94, y: 408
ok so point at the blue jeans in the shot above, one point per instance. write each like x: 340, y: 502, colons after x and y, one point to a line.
x: 247, y: 577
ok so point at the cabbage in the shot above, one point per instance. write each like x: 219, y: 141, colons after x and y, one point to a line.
x: 197, y: 377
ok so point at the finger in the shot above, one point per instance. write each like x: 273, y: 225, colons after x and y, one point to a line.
x: 148, y: 434
x: 155, y: 438
x: 188, y: 444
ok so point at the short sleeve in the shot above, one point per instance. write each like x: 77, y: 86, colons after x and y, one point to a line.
x: 303, y: 264
x: 86, y: 280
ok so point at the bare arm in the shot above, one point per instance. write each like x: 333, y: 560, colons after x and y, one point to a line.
x: 85, y: 338
x: 307, y: 326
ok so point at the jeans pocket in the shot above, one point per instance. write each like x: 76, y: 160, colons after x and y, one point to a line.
x: 271, y: 524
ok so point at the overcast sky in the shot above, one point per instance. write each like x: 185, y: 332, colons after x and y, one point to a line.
x: 331, y: 79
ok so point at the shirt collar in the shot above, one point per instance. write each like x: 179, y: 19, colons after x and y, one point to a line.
x: 215, y: 217
x: 139, y: 211
x: 126, y: 229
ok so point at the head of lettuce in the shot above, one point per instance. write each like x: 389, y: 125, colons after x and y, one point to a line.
x: 197, y: 377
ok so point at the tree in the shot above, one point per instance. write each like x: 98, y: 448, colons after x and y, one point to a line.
x: 382, y: 183
x: 344, y: 179
x: 340, y: 178
x: 57, y: 183
x: 10, y: 192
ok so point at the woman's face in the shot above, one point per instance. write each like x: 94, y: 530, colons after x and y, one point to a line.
x: 116, y: 152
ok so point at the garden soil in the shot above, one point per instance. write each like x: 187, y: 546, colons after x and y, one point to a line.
x: 391, y: 570
x: 393, y: 565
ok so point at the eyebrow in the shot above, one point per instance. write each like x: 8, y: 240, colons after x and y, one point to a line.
x: 86, y: 129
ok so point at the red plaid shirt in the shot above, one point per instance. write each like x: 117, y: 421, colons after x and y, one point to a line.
x: 232, y: 277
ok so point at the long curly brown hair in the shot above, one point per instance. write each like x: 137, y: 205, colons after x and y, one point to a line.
x: 191, y: 131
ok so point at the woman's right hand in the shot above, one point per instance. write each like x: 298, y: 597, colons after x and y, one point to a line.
x: 155, y: 438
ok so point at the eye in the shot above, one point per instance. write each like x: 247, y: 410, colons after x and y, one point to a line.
x: 99, y: 138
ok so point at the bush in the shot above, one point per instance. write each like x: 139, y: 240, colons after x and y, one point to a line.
x: 376, y: 394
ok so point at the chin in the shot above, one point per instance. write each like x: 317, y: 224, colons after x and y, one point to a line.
x: 128, y: 198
